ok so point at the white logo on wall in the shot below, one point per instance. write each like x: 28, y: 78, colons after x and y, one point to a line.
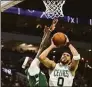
x: 8, y: 71
x: 72, y: 20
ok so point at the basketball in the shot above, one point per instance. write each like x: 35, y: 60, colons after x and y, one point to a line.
x: 59, y: 39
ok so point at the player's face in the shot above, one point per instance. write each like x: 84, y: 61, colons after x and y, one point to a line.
x: 65, y: 58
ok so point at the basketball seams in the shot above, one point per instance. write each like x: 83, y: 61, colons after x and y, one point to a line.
x: 59, y: 39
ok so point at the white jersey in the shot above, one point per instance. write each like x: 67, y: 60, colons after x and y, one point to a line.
x: 61, y: 76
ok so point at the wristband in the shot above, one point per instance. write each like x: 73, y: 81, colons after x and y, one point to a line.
x: 76, y: 57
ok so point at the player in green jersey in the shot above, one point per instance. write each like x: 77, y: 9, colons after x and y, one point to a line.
x: 35, y: 76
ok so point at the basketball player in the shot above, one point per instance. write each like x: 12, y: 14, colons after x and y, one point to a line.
x: 35, y: 76
x: 62, y: 73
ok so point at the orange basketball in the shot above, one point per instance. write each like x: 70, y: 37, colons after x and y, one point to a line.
x: 59, y: 39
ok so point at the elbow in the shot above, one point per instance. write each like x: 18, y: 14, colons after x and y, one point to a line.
x: 41, y: 57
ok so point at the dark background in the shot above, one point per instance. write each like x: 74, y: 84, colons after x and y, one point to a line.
x: 27, y: 25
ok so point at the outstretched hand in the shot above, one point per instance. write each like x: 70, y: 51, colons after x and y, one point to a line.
x: 52, y: 27
x: 47, y: 31
x: 54, y: 22
x: 52, y: 44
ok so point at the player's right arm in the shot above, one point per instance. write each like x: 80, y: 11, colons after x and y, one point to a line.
x: 46, y: 61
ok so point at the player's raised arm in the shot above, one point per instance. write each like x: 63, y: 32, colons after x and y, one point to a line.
x: 47, y: 32
x: 76, y: 56
x: 43, y: 57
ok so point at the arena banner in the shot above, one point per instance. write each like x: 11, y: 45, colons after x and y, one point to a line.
x: 35, y: 13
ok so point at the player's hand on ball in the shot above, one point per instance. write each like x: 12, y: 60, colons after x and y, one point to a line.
x: 67, y: 39
x: 52, y: 44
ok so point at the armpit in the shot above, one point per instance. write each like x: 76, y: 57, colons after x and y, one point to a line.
x: 73, y: 68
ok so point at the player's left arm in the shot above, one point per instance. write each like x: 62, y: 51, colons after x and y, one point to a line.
x: 76, y: 57
x: 47, y: 32
x: 34, y: 66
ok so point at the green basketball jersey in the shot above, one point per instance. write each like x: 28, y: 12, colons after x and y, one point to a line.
x: 38, y: 80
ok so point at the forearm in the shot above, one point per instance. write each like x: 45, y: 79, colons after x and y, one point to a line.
x: 43, y: 43
x: 45, y: 39
x: 75, y: 59
x: 76, y: 56
x: 47, y: 32
x: 73, y: 50
x: 46, y: 52
x: 36, y: 61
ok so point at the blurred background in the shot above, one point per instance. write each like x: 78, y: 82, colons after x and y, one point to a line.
x: 21, y: 36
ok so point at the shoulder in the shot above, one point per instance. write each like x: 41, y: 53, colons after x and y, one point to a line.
x: 33, y: 71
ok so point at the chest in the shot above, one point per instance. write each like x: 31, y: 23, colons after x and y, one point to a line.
x: 60, y: 71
